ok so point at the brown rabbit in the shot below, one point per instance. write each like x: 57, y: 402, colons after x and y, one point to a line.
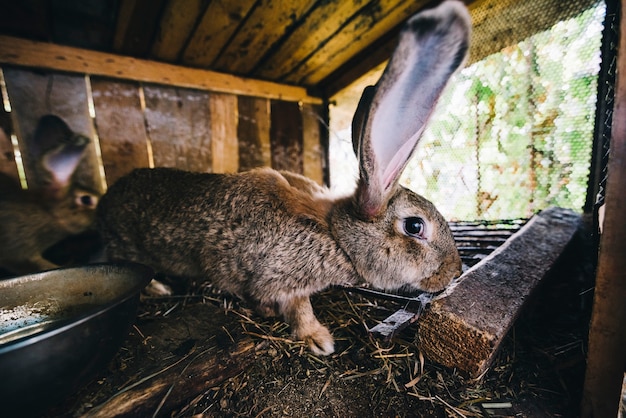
x: 33, y: 220
x: 274, y: 238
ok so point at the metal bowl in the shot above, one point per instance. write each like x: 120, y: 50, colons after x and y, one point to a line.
x: 60, y: 327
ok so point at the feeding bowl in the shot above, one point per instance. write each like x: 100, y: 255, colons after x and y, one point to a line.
x: 59, y: 327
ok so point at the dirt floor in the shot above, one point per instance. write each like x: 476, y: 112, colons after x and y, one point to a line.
x: 205, y: 355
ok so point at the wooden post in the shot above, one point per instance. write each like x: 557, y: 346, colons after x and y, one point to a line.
x: 607, y: 336
x: 464, y: 329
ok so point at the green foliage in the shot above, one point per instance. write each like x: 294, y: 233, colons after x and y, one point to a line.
x: 513, y: 134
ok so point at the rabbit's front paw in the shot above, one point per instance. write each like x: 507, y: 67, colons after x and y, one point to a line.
x: 317, y: 338
x: 156, y: 288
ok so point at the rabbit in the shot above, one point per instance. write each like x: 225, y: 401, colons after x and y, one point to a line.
x: 53, y: 208
x: 275, y: 238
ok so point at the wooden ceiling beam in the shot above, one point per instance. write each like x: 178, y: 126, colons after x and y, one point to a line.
x: 25, y: 53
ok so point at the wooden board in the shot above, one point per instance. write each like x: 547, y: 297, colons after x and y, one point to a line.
x: 319, y: 26
x: 32, y: 95
x: 136, y: 24
x: 286, y: 136
x: 218, y: 24
x: 352, y: 38
x: 176, y: 26
x: 120, y: 125
x: 606, y: 361
x: 25, y: 53
x: 225, y: 146
x: 314, y: 156
x: 267, y: 23
x: 179, y: 125
x: 464, y: 329
x: 7, y: 157
x: 253, y: 132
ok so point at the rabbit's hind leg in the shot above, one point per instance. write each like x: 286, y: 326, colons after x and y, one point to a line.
x: 298, y: 312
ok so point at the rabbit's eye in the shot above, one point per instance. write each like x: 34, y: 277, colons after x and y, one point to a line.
x: 415, y: 227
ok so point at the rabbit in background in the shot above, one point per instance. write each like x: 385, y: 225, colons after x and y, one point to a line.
x: 53, y: 208
x: 274, y: 238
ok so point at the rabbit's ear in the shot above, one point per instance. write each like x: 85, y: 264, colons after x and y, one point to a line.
x: 60, y: 149
x: 431, y: 47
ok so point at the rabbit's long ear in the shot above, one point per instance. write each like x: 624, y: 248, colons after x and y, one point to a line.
x: 390, y: 120
x: 63, y: 150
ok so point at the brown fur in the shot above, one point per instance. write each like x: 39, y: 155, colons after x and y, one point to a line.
x: 274, y: 238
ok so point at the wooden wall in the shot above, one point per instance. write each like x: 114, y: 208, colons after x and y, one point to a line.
x: 140, y: 124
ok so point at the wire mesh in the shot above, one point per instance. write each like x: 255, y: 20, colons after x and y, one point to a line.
x: 513, y: 132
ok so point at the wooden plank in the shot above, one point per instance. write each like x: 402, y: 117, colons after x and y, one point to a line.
x: 137, y: 23
x: 220, y: 21
x: 179, y: 124
x: 8, y: 166
x: 253, y: 132
x: 33, y: 95
x: 607, y: 335
x: 318, y: 28
x: 177, y: 25
x: 268, y: 22
x: 121, y: 127
x: 286, y: 136
x: 314, y: 156
x: 464, y: 329
x: 352, y: 38
x: 225, y: 147
x: 26, y: 53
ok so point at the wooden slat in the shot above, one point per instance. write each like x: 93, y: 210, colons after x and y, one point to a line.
x: 33, y: 95
x: 354, y: 37
x: 606, y: 360
x: 314, y: 160
x: 286, y: 136
x: 179, y: 124
x: 177, y: 25
x: 225, y: 147
x: 7, y: 157
x: 137, y: 23
x: 268, y: 22
x: 254, y: 133
x: 318, y: 28
x: 120, y: 125
x: 219, y: 22
x: 26, y: 53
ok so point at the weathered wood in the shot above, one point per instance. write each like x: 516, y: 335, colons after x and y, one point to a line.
x: 225, y: 146
x: 137, y: 22
x: 181, y: 383
x: 314, y: 156
x: 286, y: 136
x: 606, y: 360
x: 253, y: 131
x: 26, y: 53
x: 176, y: 26
x: 218, y: 24
x: 7, y: 156
x: 319, y: 26
x: 121, y: 127
x: 165, y: 363
x: 387, y: 14
x: 464, y: 329
x: 33, y: 95
x: 179, y: 125
x: 265, y: 25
